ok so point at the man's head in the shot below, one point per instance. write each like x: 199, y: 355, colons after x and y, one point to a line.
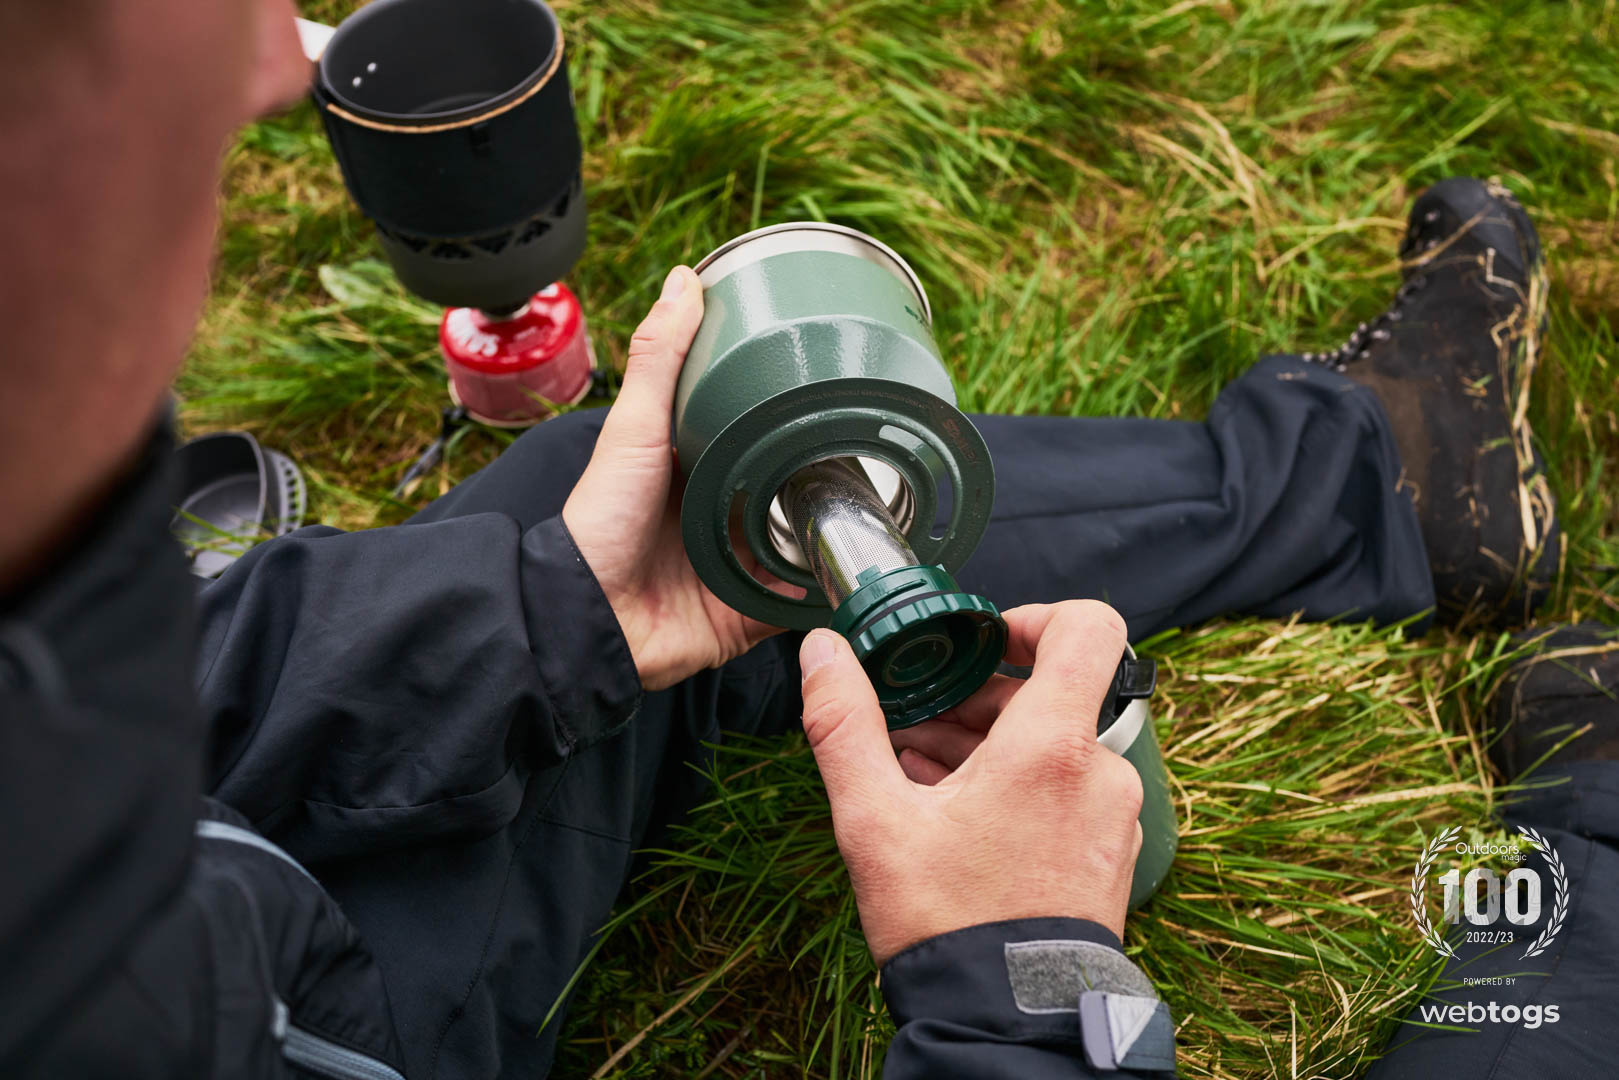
x: 113, y: 116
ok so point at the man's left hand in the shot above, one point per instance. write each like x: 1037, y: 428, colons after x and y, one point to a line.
x: 624, y: 513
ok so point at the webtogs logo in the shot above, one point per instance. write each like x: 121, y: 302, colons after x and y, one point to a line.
x: 1531, y: 1016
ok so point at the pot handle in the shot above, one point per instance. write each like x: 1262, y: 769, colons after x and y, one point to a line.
x: 314, y: 37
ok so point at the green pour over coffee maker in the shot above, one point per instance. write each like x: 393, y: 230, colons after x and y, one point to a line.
x: 816, y: 422
x: 816, y: 426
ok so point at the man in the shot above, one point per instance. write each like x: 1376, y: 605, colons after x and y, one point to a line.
x: 430, y: 750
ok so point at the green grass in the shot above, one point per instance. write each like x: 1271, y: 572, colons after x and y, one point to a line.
x: 1115, y: 207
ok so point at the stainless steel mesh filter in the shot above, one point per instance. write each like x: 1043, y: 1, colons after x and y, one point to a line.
x: 925, y: 644
x: 842, y: 526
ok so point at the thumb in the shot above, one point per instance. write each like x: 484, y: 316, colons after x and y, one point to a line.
x: 845, y: 725
x: 639, y: 419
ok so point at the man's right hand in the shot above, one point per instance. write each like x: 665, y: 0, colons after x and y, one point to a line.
x: 1038, y: 820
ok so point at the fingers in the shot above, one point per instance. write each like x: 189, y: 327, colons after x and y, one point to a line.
x: 950, y: 738
x: 1075, y: 647
x: 639, y: 419
x: 845, y: 727
x: 753, y: 630
x: 745, y: 556
x: 979, y: 711
x: 921, y: 769
x: 941, y: 741
x: 281, y: 72
x: 1024, y: 625
x: 1075, y: 658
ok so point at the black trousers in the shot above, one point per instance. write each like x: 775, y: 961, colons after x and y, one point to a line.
x: 1285, y: 500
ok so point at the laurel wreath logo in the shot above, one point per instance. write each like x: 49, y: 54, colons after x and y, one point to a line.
x: 1419, y: 891
x: 1560, y: 905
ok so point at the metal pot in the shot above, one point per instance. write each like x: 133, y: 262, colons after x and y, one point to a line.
x: 453, y: 123
x: 234, y: 492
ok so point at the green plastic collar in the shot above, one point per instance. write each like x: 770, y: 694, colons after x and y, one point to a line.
x: 925, y: 644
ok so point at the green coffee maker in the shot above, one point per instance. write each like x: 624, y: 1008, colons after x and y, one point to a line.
x: 817, y: 428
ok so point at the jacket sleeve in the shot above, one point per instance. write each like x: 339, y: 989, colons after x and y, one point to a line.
x: 135, y: 941
x: 399, y: 685
x: 1028, y: 999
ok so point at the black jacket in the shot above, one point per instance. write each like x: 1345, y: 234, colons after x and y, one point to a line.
x: 149, y: 931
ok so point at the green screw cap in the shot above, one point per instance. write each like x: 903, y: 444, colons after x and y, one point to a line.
x: 925, y: 644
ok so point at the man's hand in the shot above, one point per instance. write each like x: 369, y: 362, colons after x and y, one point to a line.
x: 624, y: 513
x: 1039, y: 819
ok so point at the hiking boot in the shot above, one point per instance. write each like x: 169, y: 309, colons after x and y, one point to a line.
x: 1561, y: 704
x: 1451, y: 361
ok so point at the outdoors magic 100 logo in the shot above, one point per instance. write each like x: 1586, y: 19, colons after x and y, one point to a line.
x: 1500, y: 908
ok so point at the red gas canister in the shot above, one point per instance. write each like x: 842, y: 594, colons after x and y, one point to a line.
x: 512, y: 370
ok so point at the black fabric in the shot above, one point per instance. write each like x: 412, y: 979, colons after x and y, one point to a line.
x: 200, y: 989
x: 952, y: 1003
x: 376, y: 690
x: 99, y: 756
x: 441, y: 719
x: 1287, y: 499
x: 961, y: 976
x: 1567, y: 686
x: 129, y: 948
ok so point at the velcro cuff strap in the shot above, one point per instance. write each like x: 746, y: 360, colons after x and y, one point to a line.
x: 1123, y: 1031
x: 1046, y: 975
x: 1021, y: 982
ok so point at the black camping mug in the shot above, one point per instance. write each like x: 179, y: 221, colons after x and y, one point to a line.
x: 453, y: 123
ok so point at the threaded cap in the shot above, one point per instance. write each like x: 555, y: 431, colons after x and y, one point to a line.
x: 926, y: 645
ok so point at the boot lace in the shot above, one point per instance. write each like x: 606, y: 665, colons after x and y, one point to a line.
x: 1368, y: 334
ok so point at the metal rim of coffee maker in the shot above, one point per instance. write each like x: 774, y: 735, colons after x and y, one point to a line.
x: 791, y: 237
